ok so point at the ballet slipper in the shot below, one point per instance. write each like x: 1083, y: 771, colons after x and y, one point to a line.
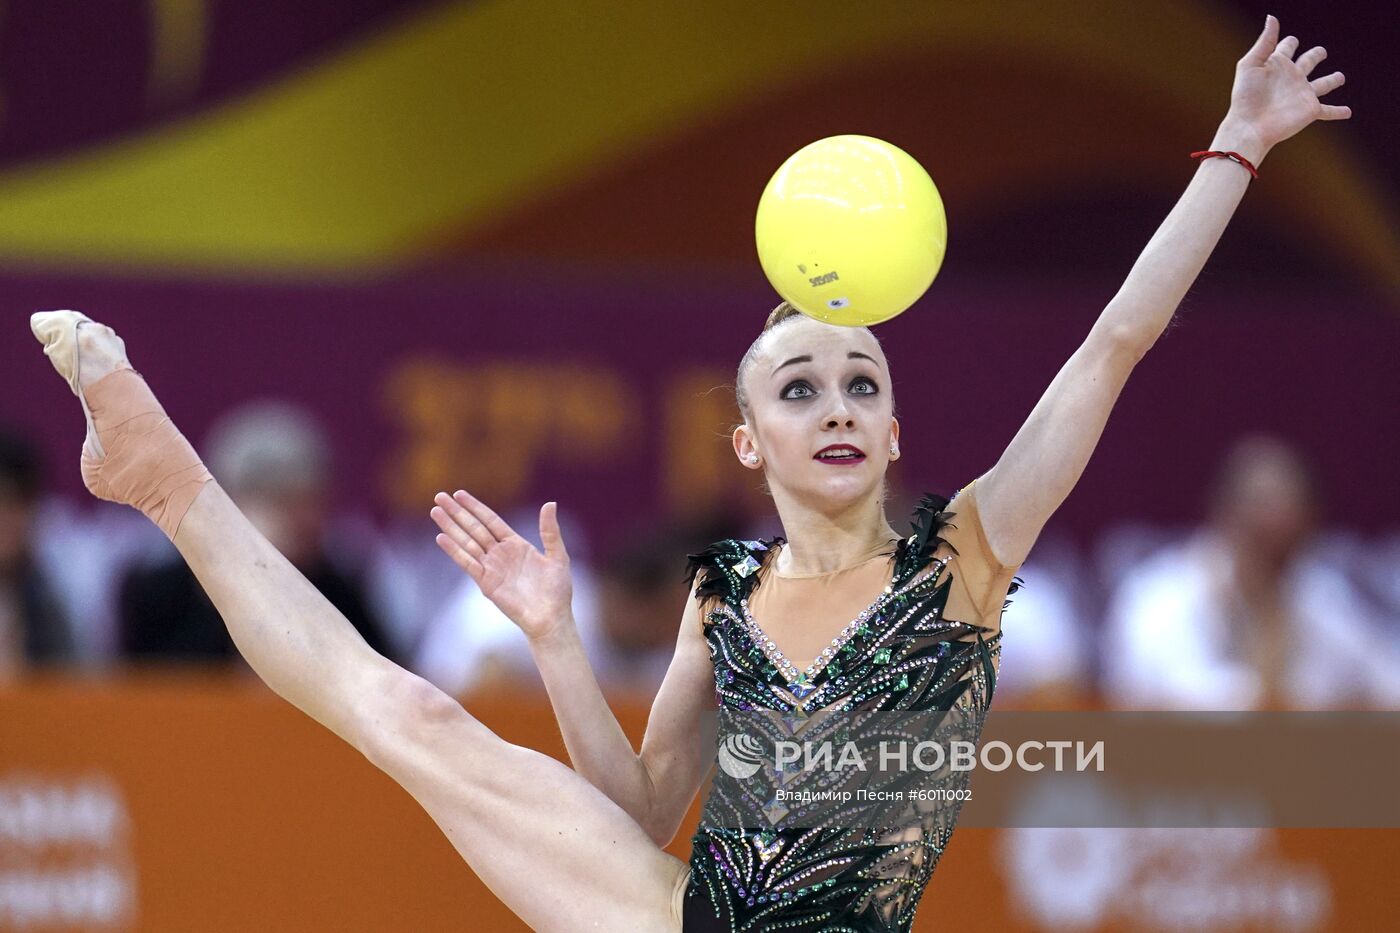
x: 134, y: 455
x: 58, y: 332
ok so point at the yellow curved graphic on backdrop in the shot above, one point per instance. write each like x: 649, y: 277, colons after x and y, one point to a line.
x: 458, y: 113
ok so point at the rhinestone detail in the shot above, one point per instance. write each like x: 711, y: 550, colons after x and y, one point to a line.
x: 802, y: 680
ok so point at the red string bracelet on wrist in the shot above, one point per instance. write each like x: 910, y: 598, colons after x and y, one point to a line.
x: 1232, y: 156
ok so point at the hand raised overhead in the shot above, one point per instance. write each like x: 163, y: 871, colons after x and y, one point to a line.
x: 1273, y: 95
x: 532, y: 587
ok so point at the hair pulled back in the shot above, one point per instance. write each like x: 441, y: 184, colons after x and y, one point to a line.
x: 780, y: 315
x: 783, y: 312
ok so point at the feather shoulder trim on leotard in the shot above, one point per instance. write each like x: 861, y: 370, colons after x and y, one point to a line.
x: 728, y: 569
x: 931, y: 516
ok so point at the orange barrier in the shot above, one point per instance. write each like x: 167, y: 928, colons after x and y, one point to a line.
x: 198, y: 803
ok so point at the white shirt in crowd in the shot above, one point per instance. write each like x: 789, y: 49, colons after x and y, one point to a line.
x: 1168, y: 635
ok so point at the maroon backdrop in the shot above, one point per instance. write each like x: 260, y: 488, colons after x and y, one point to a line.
x: 430, y: 383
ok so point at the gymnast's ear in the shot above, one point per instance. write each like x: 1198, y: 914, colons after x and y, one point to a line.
x: 746, y: 448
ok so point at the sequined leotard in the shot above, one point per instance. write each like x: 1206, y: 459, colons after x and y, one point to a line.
x: 914, y: 649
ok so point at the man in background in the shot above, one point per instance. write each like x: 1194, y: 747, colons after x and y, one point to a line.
x: 273, y: 459
x: 33, y: 629
x: 1246, y: 613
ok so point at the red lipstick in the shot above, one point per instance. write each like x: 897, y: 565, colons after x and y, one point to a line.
x: 840, y: 455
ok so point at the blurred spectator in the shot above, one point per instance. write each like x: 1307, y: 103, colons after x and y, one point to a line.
x: 274, y: 461
x: 1044, y: 652
x: 33, y: 630
x: 627, y: 612
x: 1246, y: 614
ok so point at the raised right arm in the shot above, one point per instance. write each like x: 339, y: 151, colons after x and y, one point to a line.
x: 656, y: 785
x: 533, y: 588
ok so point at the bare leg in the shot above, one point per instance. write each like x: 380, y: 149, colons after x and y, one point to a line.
x: 551, y: 846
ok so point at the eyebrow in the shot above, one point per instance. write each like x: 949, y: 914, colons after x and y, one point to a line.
x: 807, y: 358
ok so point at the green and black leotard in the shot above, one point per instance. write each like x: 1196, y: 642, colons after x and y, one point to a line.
x: 928, y: 642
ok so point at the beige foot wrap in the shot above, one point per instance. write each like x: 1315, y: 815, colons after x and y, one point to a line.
x: 148, y: 463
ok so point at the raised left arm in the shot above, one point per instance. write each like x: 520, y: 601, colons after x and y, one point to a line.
x: 1272, y: 100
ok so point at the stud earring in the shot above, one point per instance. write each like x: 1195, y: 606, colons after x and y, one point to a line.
x: 753, y: 458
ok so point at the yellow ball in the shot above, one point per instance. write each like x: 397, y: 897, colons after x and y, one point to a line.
x: 851, y: 230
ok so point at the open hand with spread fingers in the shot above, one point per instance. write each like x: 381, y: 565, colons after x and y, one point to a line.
x: 1274, y: 96
x: 532, y: 587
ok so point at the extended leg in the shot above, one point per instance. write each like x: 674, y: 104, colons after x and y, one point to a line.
x: 552, y: 847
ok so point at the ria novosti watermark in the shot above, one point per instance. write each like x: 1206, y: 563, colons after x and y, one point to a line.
x: 874, y: 769
x: 933, y: 757
x: 742, y: 754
